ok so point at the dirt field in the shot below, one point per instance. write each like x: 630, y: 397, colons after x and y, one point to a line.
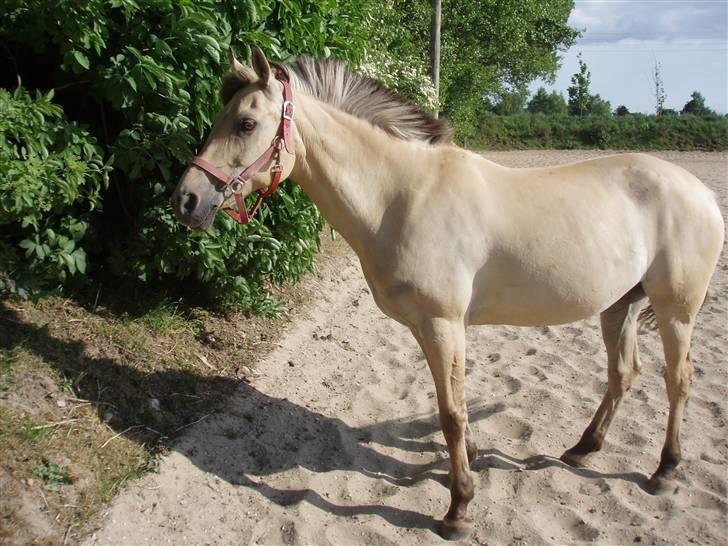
x: 336, y: 441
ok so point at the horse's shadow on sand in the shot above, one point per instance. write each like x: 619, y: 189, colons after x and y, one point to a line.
x: 257, y: 435
x: 260, y: 435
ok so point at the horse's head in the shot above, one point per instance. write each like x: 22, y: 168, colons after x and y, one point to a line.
x: 246, y: 150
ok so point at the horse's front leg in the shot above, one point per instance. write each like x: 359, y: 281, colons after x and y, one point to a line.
x: 443, y: 342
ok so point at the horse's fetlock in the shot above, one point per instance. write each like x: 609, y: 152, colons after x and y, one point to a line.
x: 462, y: 489
x: 670, y: 457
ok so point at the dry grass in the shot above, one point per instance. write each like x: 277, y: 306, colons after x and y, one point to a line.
x: 92, y: 396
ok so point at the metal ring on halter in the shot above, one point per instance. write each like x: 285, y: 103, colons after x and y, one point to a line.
x: 236, y: 186
x: 277, y: 142
x: 286, y: 106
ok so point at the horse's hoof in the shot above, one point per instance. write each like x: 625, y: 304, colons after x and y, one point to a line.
x: 661, y: 485
x: 456, y: 529
x: 577, y: 460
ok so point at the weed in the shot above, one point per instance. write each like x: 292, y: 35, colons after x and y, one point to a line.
x: 32, y: 433
x: 164, y: 317
x: 66, y: 385
x: 111, y: 484
x: 52, y: 475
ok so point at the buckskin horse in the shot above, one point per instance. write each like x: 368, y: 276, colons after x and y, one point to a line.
x: 448, y: 239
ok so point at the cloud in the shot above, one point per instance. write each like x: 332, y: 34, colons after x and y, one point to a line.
x: 623, y: 40
x: 605, y: 21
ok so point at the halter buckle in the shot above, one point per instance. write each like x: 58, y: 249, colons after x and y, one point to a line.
x: 289, y: 109
x: 236, y: 186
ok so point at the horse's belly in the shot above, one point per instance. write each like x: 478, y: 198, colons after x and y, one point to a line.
x: 537, y: 298
x: 522, y: 312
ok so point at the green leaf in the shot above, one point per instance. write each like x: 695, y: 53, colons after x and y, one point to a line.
x: 81, y: 59
x: 80, y: 258
x: 70, y: 263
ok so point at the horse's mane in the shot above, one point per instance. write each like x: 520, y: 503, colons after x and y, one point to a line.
x: 336, y: 84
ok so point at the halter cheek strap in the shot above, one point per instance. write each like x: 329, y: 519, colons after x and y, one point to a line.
x: 236, y: 184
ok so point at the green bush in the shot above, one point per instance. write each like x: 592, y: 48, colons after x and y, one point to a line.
x: 627, y: 132
x: 143, y: 79
x: 51, y: 176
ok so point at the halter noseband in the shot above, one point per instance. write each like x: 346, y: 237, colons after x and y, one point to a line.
x: 236, y: 184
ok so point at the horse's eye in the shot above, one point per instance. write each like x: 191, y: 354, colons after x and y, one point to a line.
x: 247, y: 125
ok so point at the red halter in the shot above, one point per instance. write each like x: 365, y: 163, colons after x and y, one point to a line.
x: 237, y: 183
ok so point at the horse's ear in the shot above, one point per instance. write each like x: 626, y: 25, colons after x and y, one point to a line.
x: 260, y: 64
x: 235, y: 65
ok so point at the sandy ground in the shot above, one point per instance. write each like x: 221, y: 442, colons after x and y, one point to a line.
x: 337, y: 442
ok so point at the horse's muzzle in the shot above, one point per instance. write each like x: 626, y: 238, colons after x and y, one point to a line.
x: 190, y: 211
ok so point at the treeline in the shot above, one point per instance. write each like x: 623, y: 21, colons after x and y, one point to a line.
x: 627, y: 132
x: 586, y: 120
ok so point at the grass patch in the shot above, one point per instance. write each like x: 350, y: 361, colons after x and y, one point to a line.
x: 100, y: 389
x: 166, y: 317
x: 52, y: 475
x: 92, y: 397
x: 35, y: 433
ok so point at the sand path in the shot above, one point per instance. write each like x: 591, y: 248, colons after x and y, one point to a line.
x: 337, y: 441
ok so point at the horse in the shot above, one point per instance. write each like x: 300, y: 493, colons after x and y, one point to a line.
x: 447, y: 239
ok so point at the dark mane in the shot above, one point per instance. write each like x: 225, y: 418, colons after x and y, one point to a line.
x: 336, y: 84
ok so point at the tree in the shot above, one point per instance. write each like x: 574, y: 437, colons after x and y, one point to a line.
x: 511, y: 102
x: 659, y: 91
x: 497, y: 45
x: 396, y: 55
x: 547, y: 103
x: 486, y: 47
x: 599, y: 106
x: 621, y: 111
x: 142, y: 79
x: 696, y: 106
x: 579, y: 97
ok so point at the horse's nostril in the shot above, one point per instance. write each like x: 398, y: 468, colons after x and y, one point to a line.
x: 189, y: 202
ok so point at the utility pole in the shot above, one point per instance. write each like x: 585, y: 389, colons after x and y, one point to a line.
x: 435, y: 50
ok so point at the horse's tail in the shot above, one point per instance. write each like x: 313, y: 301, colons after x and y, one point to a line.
x: 647, y: 319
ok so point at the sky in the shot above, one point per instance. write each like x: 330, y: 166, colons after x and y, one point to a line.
x: 622, y: 40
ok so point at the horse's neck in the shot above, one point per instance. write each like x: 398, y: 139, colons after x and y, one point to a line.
x: 348, y: 168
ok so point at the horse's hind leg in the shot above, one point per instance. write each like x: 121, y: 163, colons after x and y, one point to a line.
x: 675, y: 330
x: 443, y: 343
x: 619, y: 330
